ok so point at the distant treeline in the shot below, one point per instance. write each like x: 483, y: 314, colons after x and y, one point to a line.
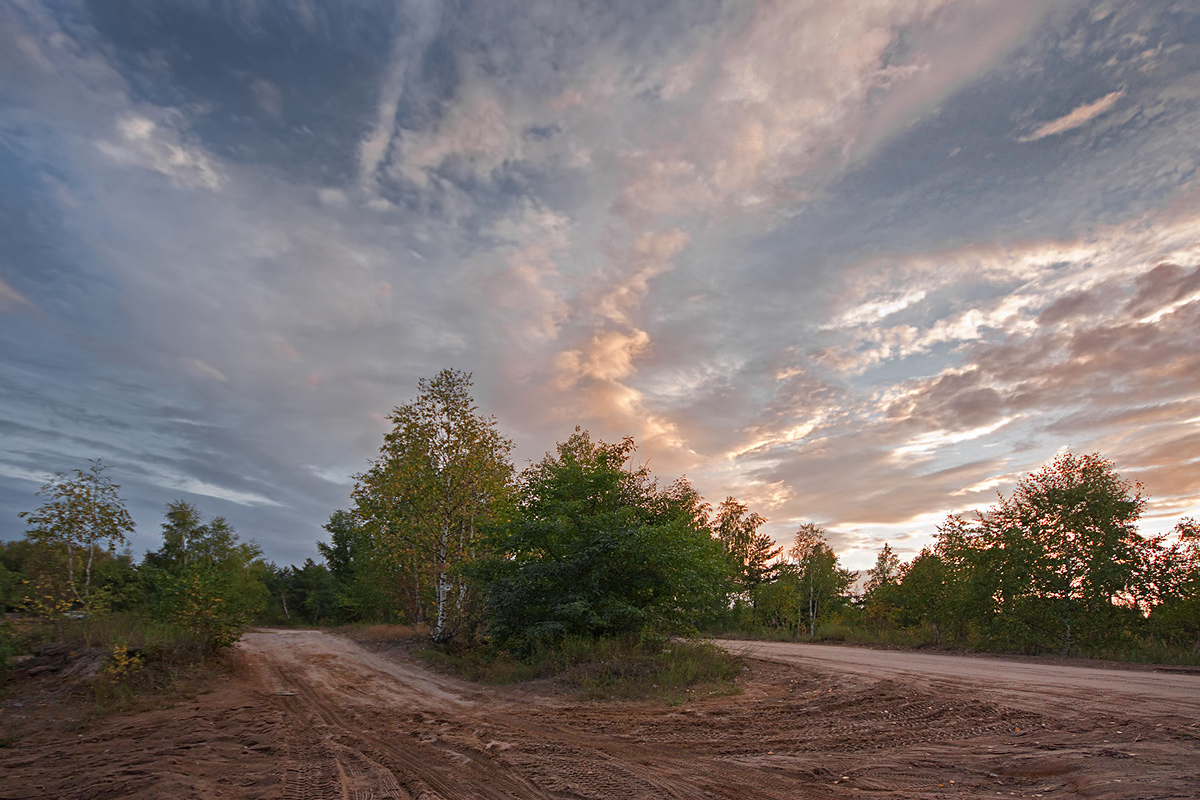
x: 442, y: 531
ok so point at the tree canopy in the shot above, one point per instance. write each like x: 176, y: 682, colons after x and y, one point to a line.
x: 597, y: 548
x: 204, y: 578
x: 83, y: 514
x: 443, y: 472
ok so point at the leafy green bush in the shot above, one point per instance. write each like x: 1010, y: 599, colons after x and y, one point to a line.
x: 596, y: 549
x: 203, y: 581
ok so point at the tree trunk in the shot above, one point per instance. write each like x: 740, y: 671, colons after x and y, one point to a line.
x: 1066, y: 648
x: 418, y: 606
x: 87, y: 574
x: 71, y: 571
x: 443, y: 585
x: 812, y: 608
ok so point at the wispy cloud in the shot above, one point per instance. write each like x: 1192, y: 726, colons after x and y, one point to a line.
x: 795, y: 249
x: 407, y: 50
x: 1076, y: 118
x: 141, y: 142
x: 10, y: 298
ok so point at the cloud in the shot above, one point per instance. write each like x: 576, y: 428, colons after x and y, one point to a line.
x: 268, y: 96
x: 407, y: 49
x: 1081, y: 342
x: 475, y: 134
x: 1077, y: 118
x: 528, y: 294
x: 877, y: 310
x: 204, y: 370
x: 595, y: 367
x: 793, y: 248
x: 10, y: 298
x: 141, y: 142
x: 766, y: 114
x: 193, y: 486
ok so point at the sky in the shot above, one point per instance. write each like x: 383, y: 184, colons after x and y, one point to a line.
x: 861, y: 264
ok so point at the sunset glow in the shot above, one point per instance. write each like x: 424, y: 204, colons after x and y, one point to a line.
x: 861, y: 264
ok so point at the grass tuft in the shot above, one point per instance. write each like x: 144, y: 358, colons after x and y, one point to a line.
x: 669, y: 670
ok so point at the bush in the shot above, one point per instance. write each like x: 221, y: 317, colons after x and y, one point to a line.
x: 597, y: 550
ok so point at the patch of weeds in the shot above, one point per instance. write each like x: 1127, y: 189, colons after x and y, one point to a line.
x: 483, y: 664
x: 1146, y: 654
x: 670, y: 670
x: 382, y: 633
x: 634, y: 669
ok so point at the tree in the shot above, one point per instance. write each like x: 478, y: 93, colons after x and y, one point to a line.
x: 1176, y: 617
x: 922, y: 595
x: 749, y: 551
x: 1077, y: 518
x: 885, y: 572
x: 366, y: 584
x: 442, y: 472
x: 305, y: 593
x: 879, y: 592
x: 822, y: 580
x: 1057, y: 564
x: 83, y: 515
x: 597, y: 549
x: 971, y: 587
x: 204, y: 578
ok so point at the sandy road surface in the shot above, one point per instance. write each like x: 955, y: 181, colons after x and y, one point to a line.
x: 1038, y: 685
x: 313, y: 715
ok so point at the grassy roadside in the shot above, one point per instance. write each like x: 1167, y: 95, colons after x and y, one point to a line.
x: 68, y: 674
x: 924, y: 639
x: 629, y: 668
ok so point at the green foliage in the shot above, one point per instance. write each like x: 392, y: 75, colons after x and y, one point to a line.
x: 10, y: 585
x: 1059, y: 565
x: 597, y: 549
x: 442, y: 474
x: 923, y: 593
x: 83, y: 515
x: 628, y: 667
x: 636, y: 668
x: 37, y: 581
x: 750, y: 553
x: 9, y: 647
x: 312, y: 585
x: 777, y: 604
x: 300, y: 595
x: 203, y: 579
x: 880, y: 593
x: 367, y: 585
x: 821, y: 583
x: 1176, y: 617
x: 1055, y: 565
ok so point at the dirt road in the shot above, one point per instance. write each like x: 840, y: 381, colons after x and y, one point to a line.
x: 313, y: 715
x: 1037, y: 685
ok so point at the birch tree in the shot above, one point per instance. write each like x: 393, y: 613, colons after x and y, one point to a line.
x: 84, y: 515
x: 821, y: 578
x: 442, y: 471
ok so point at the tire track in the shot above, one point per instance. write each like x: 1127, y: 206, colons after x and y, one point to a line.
x: 361, y: 750
x: 364, y: 726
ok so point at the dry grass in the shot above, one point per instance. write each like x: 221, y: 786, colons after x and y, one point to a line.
x: 384, y: 633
